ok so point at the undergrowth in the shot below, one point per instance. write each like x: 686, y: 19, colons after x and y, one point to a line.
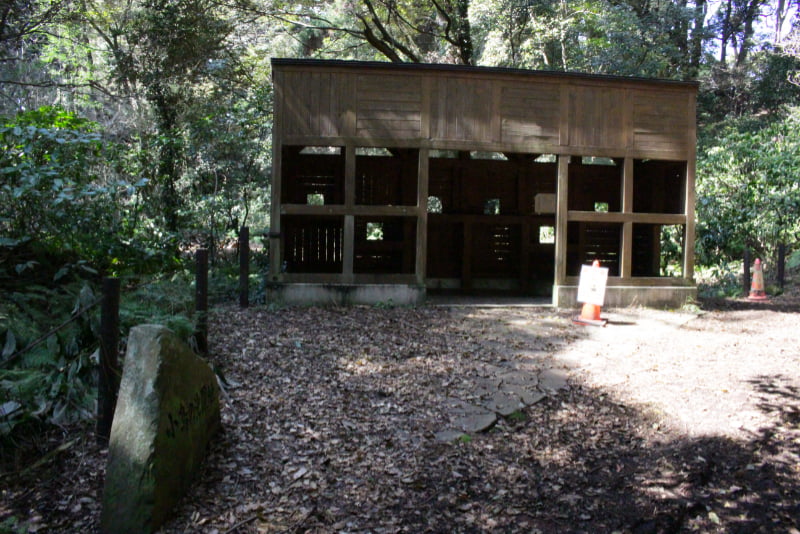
x: 49, y: 328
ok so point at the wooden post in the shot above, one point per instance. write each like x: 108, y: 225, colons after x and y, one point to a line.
x: 108, y: 385
x: 244, y: 267
x: 781, y: 263
x: 201, y: 300
x: 746, y: 281
x: 562, y: 215
x: 421, y: 257
x: 626, y: 238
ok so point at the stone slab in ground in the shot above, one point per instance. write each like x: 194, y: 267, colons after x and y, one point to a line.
x: 552, y: 380
x: 167, y: 412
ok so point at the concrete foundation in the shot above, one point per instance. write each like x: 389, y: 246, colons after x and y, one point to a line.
x: 346, y: 294
x: 624, y: 296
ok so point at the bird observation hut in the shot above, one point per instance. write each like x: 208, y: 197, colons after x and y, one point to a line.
x: 390, y: 180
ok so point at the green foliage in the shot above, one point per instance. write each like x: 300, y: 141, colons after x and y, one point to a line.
x: 748, y: 193
x: 720, y: 281
x: 52, y: 378
x: 169, y: 302
x: 55, y: 192
x: 464, y: 439
x: 11, y: 525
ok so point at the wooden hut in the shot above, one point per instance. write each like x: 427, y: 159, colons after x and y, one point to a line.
x: 393, y: 179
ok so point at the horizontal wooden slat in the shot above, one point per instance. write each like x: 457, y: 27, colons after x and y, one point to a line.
x: 392, y: 125
x: 492, y: 111
x: 616, y: 217
x: 340, y: 209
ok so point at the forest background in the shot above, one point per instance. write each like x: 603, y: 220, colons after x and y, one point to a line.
x: 132, y: 131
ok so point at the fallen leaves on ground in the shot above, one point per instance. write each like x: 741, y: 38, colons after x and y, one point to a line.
x: 330, y: 419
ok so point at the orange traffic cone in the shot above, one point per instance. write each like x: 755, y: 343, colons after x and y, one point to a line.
x: 757, y: 285
x: 590, y: 313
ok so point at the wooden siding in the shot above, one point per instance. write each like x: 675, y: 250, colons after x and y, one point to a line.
x: 461, y: 110
x: 527, y: 112
x: 529, y: 116
x: 315, y: 103
x: 388, y: 106
x: 661, y: 122
x: 486, y: 234
x: 596, y: 118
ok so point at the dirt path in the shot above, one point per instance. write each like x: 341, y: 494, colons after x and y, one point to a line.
x: 703, y: 374
x: 670, y: 422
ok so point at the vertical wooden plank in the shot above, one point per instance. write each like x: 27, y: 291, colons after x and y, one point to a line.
x: 561, y: 220
x: 425, y: 112
x: 314, y: 89
x: 348, y: 249
x: 349, y: 104
x: 627, y: 119
x: 688, y: 241
x: 564, y: 119
x: 109, y: 376
x: 348, y: 245
x: 627, y: 186
x: 277, y: 150
x: 349, y: 176
x: 495, y: 130
x: 422, y: 217
x: 626, y: 258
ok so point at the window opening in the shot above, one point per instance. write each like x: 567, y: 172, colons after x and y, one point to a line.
x: 374, y: 231
x: 321, y: 150
x: 492, y: 207
x: 671, y: 260
x: 315, y: 199
x: 601, y: 207
x: 434, y: 205
x: 372, y: 151
x: 497, y: 156
x: 546, y: 158
x: 547, y: 235
x: 450, y: 154
x: 592, y: 160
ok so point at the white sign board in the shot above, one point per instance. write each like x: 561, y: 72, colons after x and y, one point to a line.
x: 592, y: 285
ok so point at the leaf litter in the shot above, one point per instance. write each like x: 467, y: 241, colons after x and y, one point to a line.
x: 331, y: 417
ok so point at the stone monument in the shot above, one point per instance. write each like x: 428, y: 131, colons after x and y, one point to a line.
x: 167, y: 412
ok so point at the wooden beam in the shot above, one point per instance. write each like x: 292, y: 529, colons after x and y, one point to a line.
x: 422, y: 217
x: 616, y: 217
x: 349, y: 176
x: 691, y: 164
x: 339, y: 209
x: 626, y: 258
x: 562, y: 214
x: 276, y: 240
x: 626, y: 252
